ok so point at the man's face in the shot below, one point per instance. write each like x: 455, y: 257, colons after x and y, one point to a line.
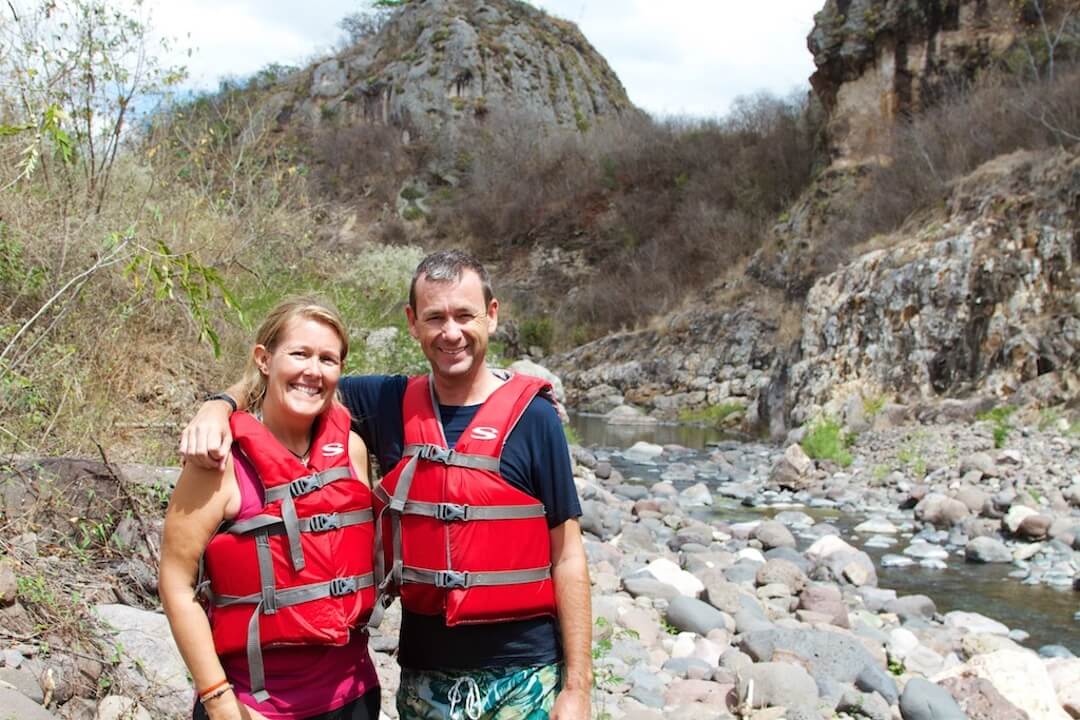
x: 452, y: 324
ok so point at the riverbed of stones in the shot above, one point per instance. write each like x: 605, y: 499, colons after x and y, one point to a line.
x: 774, y: 611
x: 694, y: 610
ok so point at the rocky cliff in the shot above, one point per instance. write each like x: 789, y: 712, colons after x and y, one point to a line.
x: 983, y: 299
x: 441, y: 62
x: 880, y: 59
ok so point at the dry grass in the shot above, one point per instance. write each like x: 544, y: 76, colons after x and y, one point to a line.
x: 999, y: 114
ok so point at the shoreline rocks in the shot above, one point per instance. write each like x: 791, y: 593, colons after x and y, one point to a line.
x: 778, y: 608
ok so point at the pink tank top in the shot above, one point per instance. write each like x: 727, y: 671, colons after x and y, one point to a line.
x: 302, y: 680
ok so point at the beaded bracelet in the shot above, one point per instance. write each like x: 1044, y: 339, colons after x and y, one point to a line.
x: 203, y: 694
x: 215, y: 694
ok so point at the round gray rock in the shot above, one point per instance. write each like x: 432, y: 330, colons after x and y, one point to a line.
x: 987, y: 550
x: 692, y: 615
x: 923, y: 700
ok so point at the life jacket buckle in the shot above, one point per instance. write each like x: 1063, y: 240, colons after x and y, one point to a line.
x: 451, y: 579
x: 342, y: 586
x: 448, y: 512
x: 435, y: 453
x: 302, y: 486
x: 324, y: 522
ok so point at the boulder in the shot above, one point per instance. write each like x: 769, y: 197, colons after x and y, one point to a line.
x: 696, y: 495
x: 115, y: 707
x: 941, y: 511
x: 793, y: 470
x: 1015, y: 516
x: 772, y: 534
x: 1034, y: 527
x: 827, y: 600
x: 650, y: 587
x: 783, y: 572
x: 1019, y: 676
x: 830, y: 655
x: 148, y: 659
x: 693, y: 615
x: 776, y: 684
x: 975, y: 623
x: 912, y: 607
x: 923, y: 700
x: 16, y: 705
x: 980, y: 700
x: 668, y: 572
x: 987, y: 550
x: 9, y: 586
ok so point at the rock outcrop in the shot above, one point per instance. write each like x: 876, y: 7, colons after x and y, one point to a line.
x: 880, y: 59
x: 983, y: 299
x: 439, y: 63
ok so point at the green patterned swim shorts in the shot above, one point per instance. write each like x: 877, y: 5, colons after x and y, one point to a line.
x: 511, y: 694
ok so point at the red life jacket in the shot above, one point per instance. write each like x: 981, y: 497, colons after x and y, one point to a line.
x: 456, y: 539
x: 299, y: 572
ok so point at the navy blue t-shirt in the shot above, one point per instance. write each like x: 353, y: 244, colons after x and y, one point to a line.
x: 535, y: 459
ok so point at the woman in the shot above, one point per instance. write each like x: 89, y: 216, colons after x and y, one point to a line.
x: 278, y: 544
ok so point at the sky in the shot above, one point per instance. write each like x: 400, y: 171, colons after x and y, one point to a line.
x: 675, y: 57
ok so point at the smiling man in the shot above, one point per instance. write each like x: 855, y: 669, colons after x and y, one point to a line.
x: 477, y: 511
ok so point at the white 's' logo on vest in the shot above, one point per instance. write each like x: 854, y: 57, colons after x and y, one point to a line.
x: 484, y: 433
x: 332, y: 449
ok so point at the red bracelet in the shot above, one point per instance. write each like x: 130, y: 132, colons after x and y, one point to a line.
x: 204, y: 699
x: 215, y: 686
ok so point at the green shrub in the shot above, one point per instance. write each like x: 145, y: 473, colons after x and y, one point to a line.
x: 999, y: 423
x: 412, y: 213
x: 537, y: 332
x: 825, y: 440
x: 411, y: 192
x: 873, y: 405
x: 714, y: 415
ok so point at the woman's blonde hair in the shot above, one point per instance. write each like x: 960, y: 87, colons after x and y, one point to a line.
x: 305, y: 307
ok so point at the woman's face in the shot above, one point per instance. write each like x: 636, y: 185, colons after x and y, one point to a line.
x: 302, y: 372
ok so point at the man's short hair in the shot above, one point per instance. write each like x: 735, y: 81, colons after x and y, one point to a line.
x: 448, y: 266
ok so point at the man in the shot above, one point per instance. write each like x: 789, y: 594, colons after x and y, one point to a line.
x: 516, y: 662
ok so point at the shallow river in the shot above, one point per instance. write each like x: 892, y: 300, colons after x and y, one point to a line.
x: 1044, y: 612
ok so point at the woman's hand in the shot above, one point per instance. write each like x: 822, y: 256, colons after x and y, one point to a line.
x: 229, y: 707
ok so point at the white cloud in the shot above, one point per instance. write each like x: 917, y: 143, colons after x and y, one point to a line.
x: 673, y: 57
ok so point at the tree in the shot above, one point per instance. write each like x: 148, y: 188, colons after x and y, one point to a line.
x: 1056, y: 26
x: 359, y: 26
x: 84, y: 66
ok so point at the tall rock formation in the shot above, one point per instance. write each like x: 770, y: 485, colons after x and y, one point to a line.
x: 437, y: 63
x: 880, y: 59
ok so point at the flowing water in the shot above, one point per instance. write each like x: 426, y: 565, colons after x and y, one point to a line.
x: 1046, y: 613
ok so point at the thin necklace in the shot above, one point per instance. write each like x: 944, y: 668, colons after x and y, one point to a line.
x: 303, y: 457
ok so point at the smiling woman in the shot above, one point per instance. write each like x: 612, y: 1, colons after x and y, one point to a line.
x: 277, y: 543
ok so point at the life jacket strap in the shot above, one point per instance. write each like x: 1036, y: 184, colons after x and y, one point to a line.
x: 296, y: 488
x: 288, y: 597
x: 274, y: 525
x: 446, y: 456
x: 284, y: 598
x: 454, y: 579
x: 396, y: 504
x: 451, y: 512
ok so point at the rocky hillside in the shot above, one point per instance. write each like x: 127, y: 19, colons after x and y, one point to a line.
x: 975, y: 295
x: 438, y: 63
x: 982, y: 299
